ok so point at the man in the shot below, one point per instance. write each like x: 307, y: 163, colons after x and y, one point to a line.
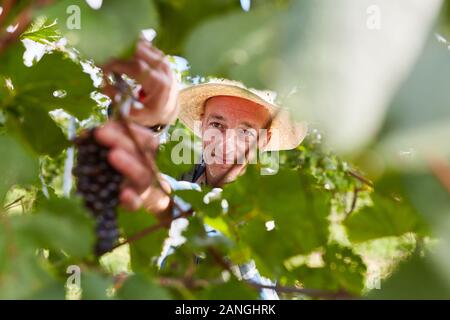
x: 231, y: 119
x: 228, y: 117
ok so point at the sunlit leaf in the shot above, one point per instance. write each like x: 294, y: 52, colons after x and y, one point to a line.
x: 385, y: 218
x: 34, y: 87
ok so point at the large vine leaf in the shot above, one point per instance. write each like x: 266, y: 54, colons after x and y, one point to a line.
x: 343, y: 270
x: 235, y: 45
x: 416, y: 278
x: 418, y: 121
x: 18, y: 166
x: 94, y: 286
x: 180, y: 17
x: 59, y: 224
x: 139, y: 287
x: 287, y: 199
x: 145, y: 250
x: 231, y: 290
x: 26, y: 277
x: 171, y: 150
x: 29, y: 124
x: 384, y: 218
x: 104, y: 33
x: 35, y: 87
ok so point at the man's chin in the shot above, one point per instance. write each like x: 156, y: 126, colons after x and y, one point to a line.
x: 229, y: 172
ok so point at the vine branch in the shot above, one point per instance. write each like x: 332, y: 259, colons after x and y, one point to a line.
x: 361, y: 178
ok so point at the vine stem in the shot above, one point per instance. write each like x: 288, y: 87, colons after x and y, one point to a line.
x: 353, y: 204
x: 153, y: 228
x: 13, y: 203
x: 7, y: 6
x: 361, y: 178
x: 22, y: 21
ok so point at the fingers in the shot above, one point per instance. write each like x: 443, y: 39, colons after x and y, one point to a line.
x: 152, y: 56
x: 144, y: 52
x: 113, y: 135
x: 129, y: 166
x: 159, y: 77
x: 136, y: 69
x: 152, y: 85
x: 124, y: 156
x: 145, y: 59
x: 151, y: 69
x: 130, y: 200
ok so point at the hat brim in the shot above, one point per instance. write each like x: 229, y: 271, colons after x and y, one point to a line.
x: 286, y: 134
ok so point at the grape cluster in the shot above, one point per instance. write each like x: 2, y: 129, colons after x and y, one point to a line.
x: 99, y: 185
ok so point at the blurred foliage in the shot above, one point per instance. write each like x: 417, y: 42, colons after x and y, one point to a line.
x: 341, y: 222
x: 101, y: 34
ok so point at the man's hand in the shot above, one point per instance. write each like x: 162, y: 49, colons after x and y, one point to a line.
x: 138, y: 189
x: 159, y: 94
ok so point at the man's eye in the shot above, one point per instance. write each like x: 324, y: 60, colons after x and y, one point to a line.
x: 247, y: 132
x: 216, y: 125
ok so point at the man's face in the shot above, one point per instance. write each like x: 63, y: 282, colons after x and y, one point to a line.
x: 231, y: 126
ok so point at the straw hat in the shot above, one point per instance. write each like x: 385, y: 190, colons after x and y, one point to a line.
x: 286, y: 134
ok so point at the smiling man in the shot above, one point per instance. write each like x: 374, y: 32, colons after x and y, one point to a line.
x: 234, y: 123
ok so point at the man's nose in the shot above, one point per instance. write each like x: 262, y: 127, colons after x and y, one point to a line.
x: 229, y: 145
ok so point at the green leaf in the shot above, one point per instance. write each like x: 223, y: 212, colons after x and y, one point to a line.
x: 94, y: 286
x: 51, y: 291
x: 139, y: 287
x: 235, y: 45
x: 417, y: 278
x: 343, y: 270
x: 39, y: 131
x: 180, y: 17
x: 104, y: 33
x: 144, y: 251
x: 35, y: 86
x: 297, y: 208
x: 233, y: 289
x: 165, y: 158
x: 18, y: 166
x: 59, y: 224
x: 219, y: 223
x: 196, y: 200
x: 42, y: 31
x: 27, y: 277
x: 198, y: 238
x: 411, y: 127
x: 384, y: 219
